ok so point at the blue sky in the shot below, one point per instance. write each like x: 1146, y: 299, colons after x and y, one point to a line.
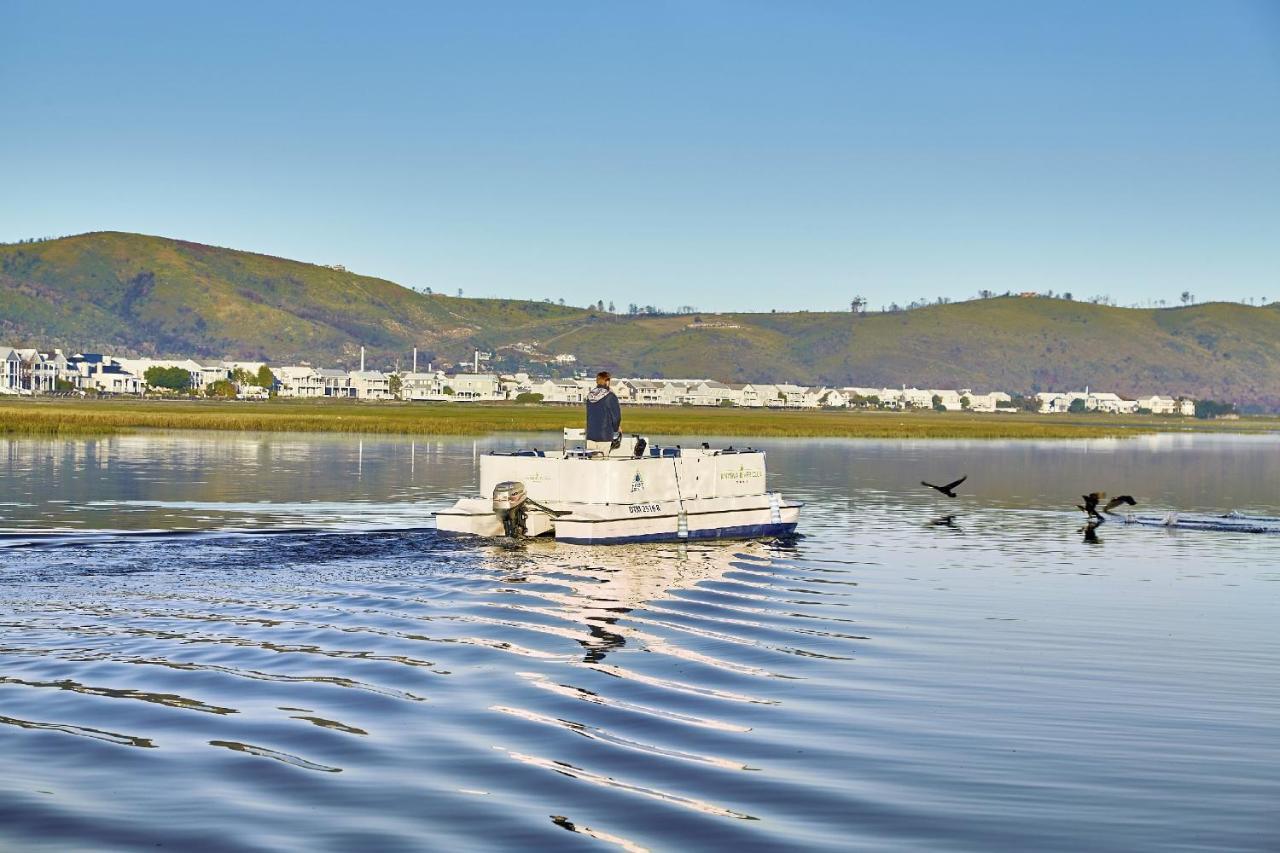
x: 726, y: 155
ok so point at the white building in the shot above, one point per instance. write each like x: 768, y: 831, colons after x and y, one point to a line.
x: 1105, y: 401
x: 1158, y: 405
x: 474, y: 386
x: 423, y: 386
x: 29, y: 371
x: 788, y: 396
x: 103, y: 374
x: 994, y: 401
x: 511, y: 386
x: 336, y: 383
x: 10, y: 371
x: 649, y: 392
x: 832, y: 398
x: 299, y: 380
x: 369, y: 385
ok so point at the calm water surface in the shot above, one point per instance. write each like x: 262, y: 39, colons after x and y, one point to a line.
x: 259, y: 643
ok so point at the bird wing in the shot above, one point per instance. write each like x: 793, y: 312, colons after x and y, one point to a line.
x: 1118, y: 500
x: 950, y: 486
x: 930, y: 485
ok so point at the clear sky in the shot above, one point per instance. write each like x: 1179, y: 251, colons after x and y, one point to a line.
x: 726, y: 155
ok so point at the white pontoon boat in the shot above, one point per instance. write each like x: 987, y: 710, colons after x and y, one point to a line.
x: 638, y: 493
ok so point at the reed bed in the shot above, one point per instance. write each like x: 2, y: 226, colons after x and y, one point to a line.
x: 102, y: 417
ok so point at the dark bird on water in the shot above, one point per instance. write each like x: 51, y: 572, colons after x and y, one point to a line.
x: 945, y: 521
x: 948, y: 488
x: 1091, y: 500
x: 1090, y: 507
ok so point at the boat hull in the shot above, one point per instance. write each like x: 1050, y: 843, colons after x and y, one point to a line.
x: 668, y: 495
x: 759, y: 516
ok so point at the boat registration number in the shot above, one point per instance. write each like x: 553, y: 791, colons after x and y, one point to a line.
x: 640, y: 509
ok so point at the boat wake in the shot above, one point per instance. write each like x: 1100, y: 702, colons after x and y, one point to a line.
x: 1232, y: 522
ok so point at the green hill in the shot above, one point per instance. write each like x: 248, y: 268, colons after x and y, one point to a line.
x: 151, y: 295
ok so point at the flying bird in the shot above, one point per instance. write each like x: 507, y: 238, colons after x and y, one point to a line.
x: 948, y: 488
x: 1118, y: 500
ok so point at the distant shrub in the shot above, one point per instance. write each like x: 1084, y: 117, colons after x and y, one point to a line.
x: 1213, y: 409
x: 172, y: 378
x: 1077, y: 405
x: 529, y: 397
x: 221, y: 388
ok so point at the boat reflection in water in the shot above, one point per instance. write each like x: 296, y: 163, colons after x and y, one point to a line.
x: 603, y: 591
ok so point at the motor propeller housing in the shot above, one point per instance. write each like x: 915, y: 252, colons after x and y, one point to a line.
x: 510, y: 501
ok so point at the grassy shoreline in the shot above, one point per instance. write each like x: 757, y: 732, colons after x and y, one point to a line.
x: 87, y: 418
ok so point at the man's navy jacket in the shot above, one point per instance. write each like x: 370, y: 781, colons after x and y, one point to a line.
x: 604, y: 415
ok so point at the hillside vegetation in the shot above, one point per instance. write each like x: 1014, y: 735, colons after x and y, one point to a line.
x: 150, y: 295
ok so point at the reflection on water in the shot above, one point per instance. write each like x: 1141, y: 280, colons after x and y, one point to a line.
x: 258, y: 642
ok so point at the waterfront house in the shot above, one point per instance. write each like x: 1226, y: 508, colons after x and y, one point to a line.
x: 1105, y: 401
x: 428, y: 385
x: 832, y: 398
x: 788, y: 396
x: 646, y: 391
x: 1159, y: 405
x: 370, y: 385
x: 336, y: 383
x: 474, y: 386
x: 299, y: 380
x: 993, y: 401
x: 94, y: 371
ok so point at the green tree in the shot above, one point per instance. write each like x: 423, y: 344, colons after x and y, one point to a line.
x: 61, y: 384
x: 1213, y: 409
x: 1077, y: 406
x: 937, y: 403
x: 171, y: 378
x: 395, y: 384
x: 265, y: 378
x: 221, y: 388
x: 448, y: 392
x: 965, y: 403
x: 529, y: 397
x: 240, y: 376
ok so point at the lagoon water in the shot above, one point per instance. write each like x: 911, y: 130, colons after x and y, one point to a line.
x: 238, y: 642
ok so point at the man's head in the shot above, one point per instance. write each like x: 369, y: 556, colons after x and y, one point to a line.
x: 602, y: 379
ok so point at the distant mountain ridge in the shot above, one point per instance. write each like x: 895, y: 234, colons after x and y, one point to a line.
x: 145, y: 295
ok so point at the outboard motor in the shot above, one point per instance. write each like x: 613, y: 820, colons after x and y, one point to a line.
x: 638, y: 449
x: 510, y: 503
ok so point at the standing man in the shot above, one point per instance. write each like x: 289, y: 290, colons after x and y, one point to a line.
x: 604, y: 417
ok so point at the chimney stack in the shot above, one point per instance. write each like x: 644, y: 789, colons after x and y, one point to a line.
x: 362, y: 359
x: 415, y: 359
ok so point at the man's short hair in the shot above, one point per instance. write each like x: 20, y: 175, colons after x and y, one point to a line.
x: 604, y: 374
